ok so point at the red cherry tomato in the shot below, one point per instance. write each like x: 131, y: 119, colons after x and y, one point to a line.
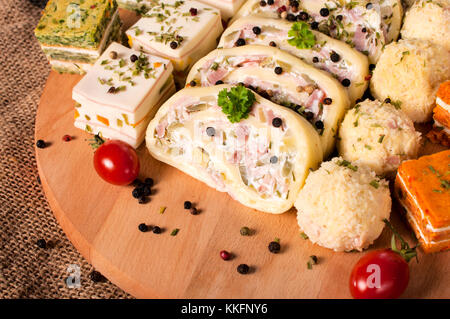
x: 380, y: 274
x: 116, y: 162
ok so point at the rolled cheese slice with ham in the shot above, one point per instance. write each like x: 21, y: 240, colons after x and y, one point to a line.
x: 312, y: 93
x: 351, y: 67
x: 261, y: 165
x: 367, y: 25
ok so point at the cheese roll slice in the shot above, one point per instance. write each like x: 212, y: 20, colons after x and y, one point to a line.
x: 346, y: 64
x: 282, y: 78
x: 261, y: 161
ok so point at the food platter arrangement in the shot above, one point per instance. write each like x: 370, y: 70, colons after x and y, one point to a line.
x: 251, y: 149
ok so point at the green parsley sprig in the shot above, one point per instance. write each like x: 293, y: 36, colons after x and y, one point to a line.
x: 301, y: 36
x: 236, y: 103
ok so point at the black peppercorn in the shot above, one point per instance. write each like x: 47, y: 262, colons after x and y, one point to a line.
x: 293, y: 3
x: 318, y: 125
x: 219, y: 82
x: 156, y: 230
x: 272, y: 44
x: 346, y: 82
x: 291, y: 17
x: 137, y: 192
x: 277, y: 122
x: 335, y: 57
x: 309, y: 115
x: 148, y: 181
x: 41, y: 144
x: 240, y: 42
x: 146, y: 191
x: 315, y: 59
x: 303, y: 16
x: 194, y: 211
x: 41, y: 243
x: 256, y: 30
x: 327, y: 101
x: 133, y: 58
x: 371, y: 67
x: 142, y: 200
x: 173, y: 45
x: 192, y: 83
x: 369, y: 6
x: 324, y: 12
x: 278, y: 70
x: 339, y: 17
x: 193, y: 11
x: 210, y: 131
x: 262, y: 3
x: 243, y: 269
x: 95, y: 276
x: 314, y: 25
x: 187, y: 205
x: 112, y: 89
x: 363, y: 30
x: 387, y: 100
x: 273, y: 160
x: 270, y: 2
x: 274, y: 247
x: 143, y: 228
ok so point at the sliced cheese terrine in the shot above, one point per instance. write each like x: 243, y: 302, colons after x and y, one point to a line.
x: 227, y: 8
x: 346, y: 64
x: 122, y: 93
x: 282, y: 78
x: 423, y: 188
x: 260, y: 158
x: 182, y: 31
x: 367, y: 25
x: 73, y: 34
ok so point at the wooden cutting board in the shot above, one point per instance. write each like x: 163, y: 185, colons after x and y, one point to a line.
x: 102, y: 220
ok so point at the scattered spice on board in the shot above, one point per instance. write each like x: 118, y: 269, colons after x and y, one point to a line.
x: 304, y: 236
x: 162, y: 210
x: 41, y: 144
x: 312, y: 261
x: 245, y: 231
x: 243, y: 269
x: 157, y: 230
x: 225, y: 255
x: 274, y: 246
x: 174, y: 232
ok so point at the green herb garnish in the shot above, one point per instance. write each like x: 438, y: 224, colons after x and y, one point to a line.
x: 300, y: 36
x: 375, y: 184
x: 347, y: 164
x: 236, y: 103
x: 174, y: 232
x: 304, y: 236
x: 380, y: 140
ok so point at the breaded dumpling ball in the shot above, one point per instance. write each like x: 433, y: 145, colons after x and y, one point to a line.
x: 378, y: 135
x: 342, y: 206
x: 428, y: 20
x: 409, y: 73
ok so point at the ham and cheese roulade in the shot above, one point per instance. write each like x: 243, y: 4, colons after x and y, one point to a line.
x: 348, y: 65
x: 367, y: 25
x: 261, y: 160
x: 281, y: 78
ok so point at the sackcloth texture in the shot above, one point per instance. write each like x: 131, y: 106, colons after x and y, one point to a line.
x: 27, y: 271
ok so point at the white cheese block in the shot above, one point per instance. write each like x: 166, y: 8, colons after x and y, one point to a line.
x: 141, y: 87
x: 352, y: 65
x: 261, y: 166
x: 300, y: 86
x: 368, y: 25
x: 228, y: 8
x: 194, y: 35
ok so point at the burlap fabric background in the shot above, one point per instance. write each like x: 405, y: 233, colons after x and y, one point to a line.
x: 27, y: 271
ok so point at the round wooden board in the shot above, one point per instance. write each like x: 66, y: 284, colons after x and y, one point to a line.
x: 101, y: 221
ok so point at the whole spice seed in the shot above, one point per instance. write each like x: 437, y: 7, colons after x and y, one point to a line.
x: 270, y: 2
x: 41, y: 243
x: 156, y: 230
x: 273, y: 160
x: 173, y: 45
x: 346, y: 83
x: 315, y: 59
x: 274, y: 247
x: 327, y: 101
x: 67, y: 138
x: 278, y: 70
x: 225, y: 255
x: 272, y: 44
x: 133, y: 58
x: 210, y: 131
x: 137, y: 192
x: 219, y: 82
x: 41, y: 144
x: 187, y: 205
x: 113, y: 55
x: 146, y: 190
x: 335, y: 57
x: 319, y: 125
x: 309, y: 88
x: 240, y: 42
x: 244, y: 231
x: 95, y: 276
x: 192, y: 83
x: 339, y: 17
x: 371, y: 67
x: 303, y: 16
x: 262, y: 3
x: 277, y: 122
x: 143, y: 200
x: 291, y: 17
x: 149, y: 181
x: 174, y: 232
x: 243, y: 269
x: 324, y: 12
x: 312, y: 261
x: 314, y: 25
x: 112, y: 90
x: 193, y: 11
x: 256, y: 30
x: 143, y: 227
x: 194, y: 211
x: 309, y: 115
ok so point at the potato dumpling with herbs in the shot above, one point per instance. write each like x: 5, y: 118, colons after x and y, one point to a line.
x: 378, y: 135
x: 342, y: 206
x: 409, y: 72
